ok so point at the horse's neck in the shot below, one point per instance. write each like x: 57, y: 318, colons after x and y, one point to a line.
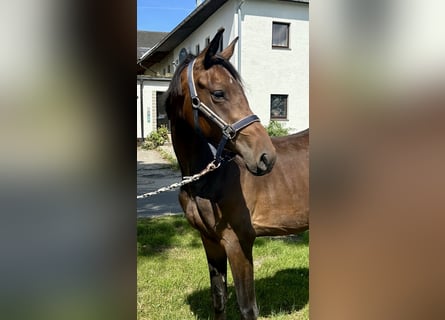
x: 191, y: 150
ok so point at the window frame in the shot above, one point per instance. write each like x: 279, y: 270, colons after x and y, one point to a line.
x: 275, y: 116
x: 276, y: 46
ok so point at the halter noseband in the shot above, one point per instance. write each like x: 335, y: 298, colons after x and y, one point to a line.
x: 229, y: 131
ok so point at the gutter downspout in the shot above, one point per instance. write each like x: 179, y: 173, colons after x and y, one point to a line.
x: 239, y: 36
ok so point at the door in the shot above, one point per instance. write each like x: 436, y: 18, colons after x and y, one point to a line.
x: 161, y: 114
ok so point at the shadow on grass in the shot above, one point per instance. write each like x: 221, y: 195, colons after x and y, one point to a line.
x: 286, y: 292
x: 293, y: 239
x: 156, y: 235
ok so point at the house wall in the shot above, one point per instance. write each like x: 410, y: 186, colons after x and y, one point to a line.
x: 222, y: 18
x: 159, y: 68
x: 267, y: 71
x: 149, y: 89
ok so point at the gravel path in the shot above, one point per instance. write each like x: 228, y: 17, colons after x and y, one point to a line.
x: 154, y: 172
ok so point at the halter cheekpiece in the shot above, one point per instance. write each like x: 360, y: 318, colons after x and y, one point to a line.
x: 229, y: 131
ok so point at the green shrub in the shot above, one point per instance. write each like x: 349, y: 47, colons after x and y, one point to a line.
x: 276, y: 129
x: 156, y: 138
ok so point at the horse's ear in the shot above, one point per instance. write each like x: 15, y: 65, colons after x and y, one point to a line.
x: 228, y: 52
x: 212, y: 49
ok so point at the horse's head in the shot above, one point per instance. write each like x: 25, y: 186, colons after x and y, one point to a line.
x: 213, y: 102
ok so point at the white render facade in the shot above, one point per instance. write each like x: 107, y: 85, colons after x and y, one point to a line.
x: 265, y: 70
x: 147, y: 113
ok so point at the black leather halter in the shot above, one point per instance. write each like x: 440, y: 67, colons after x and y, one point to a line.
x: 229, y: 131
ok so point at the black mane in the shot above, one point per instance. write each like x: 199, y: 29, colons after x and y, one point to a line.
x: 174, y: 90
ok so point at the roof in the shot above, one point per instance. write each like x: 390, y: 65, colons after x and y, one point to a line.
x: 181, y: 32
x: 147, y: 39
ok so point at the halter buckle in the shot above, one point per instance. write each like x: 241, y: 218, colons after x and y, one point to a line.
x: 229, y: 132
x: 195, y: 102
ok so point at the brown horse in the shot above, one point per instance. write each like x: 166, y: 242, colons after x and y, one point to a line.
x: 244, y: 198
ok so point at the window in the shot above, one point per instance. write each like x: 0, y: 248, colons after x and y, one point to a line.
x: 278, y: 106
x: 207, y: 41
x: 197, y: 49
x: 168, y: 69
x: 280, y: 35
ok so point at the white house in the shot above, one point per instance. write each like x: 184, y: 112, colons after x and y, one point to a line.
x: 147, y: 88
x: 272, y: 57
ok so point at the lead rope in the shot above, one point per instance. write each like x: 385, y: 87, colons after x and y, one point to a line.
x: 186, y: 180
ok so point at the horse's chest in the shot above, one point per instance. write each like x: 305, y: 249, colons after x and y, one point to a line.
x: 201, y: 213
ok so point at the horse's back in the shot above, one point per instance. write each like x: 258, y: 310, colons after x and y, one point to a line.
x: 294, y: 142
x: 279, y: 201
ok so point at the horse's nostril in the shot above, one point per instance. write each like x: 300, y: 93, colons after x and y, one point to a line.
x: 265, y: 159
x: 264, y: 163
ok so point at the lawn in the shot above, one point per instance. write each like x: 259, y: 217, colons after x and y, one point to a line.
x: 173, y: 280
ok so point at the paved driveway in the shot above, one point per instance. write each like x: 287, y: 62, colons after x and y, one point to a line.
x: 153, y: 172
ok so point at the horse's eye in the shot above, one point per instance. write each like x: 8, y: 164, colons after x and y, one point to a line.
x: 218, y: 94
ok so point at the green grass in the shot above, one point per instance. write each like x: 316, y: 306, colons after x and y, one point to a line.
x: 173, y: 280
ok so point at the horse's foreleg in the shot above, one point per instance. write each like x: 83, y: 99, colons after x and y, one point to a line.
x: 240, y: 258
x: 217, y: 260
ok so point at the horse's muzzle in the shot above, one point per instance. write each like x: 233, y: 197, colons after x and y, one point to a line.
x: 265, y: 164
